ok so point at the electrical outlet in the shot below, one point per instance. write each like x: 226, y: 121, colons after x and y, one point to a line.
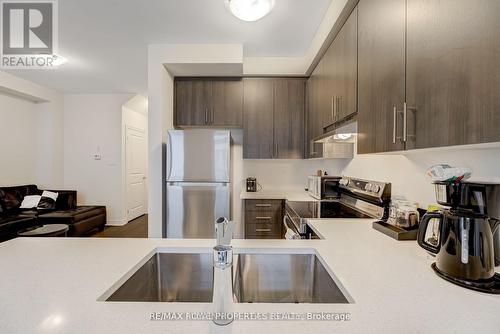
x: 97, y: 156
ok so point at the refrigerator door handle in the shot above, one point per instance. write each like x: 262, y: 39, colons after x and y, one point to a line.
x: 198, y: 184
x: 169, y: 157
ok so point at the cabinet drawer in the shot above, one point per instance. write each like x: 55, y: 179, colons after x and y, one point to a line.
x: 265, y: 205
x: 253, y: 231
x: 256, y: 217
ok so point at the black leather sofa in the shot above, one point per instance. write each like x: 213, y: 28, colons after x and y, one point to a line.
x: 82, y: 220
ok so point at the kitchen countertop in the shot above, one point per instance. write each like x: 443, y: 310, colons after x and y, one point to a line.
x: 51, y: 285
x: 284, y: 194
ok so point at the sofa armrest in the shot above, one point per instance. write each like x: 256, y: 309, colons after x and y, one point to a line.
x: 66, y: 200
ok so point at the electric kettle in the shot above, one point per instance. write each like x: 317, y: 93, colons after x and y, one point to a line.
x: 465, y: 252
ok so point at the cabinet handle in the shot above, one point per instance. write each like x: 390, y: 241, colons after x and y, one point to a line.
x: 262, y: 205
x: 263, y: 218
x: 262, y: 230
x: 395, y: 112
x: 206, y: 115
x: 339, y: 99
x: 213, y: 116
x: 332, y: 108
x: 405, y: 126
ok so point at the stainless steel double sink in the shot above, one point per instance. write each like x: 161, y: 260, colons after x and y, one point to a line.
x: 257, y: 278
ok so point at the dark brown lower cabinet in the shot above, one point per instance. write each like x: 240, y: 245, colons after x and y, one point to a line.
x: 453, y: 72
x: 263, y: 219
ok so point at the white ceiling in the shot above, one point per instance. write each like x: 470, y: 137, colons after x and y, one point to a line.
x: 106, y: 41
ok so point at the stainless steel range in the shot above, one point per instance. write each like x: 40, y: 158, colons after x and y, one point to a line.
x: 357, y: 199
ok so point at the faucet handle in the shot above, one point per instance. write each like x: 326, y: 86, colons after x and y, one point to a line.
x: 224, y: 231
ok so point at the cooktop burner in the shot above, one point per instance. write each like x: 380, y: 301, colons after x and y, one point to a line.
x: 324, y: 209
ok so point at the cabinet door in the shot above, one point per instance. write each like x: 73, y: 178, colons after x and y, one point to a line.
x: 453, y: 72
x: 381, y: 74
x: 289, y: 104
x: 314, y: 119
x: 346, y: 68
x: 329, y: 89
x: 258, y: 118
x: 192, y: 102
x: 227, y: 103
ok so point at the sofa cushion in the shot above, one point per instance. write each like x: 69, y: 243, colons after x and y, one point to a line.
x: 10, y: 224
x: 11, y: 197
x: 74, y: 215
x: 47, y: 200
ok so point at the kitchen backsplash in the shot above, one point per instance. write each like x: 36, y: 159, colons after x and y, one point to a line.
x: 407, y: 172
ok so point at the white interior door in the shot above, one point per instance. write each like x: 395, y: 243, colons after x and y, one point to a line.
x: 136, y: 165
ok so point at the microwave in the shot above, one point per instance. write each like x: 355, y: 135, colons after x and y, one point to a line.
x: 323, y: 187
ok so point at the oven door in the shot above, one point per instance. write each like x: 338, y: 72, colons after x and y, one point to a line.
x: 290, y: 231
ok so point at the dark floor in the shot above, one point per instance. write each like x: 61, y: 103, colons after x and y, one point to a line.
x: 137, y: 228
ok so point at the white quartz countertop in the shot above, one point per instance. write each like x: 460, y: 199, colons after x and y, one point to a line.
x: 52, y: 285
x: 284, y: 194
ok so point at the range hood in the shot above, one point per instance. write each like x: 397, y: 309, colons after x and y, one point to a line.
x: 339, y: 143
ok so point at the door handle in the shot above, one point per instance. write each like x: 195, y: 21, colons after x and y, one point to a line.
x: 262, y: 230
x: 395, y: 112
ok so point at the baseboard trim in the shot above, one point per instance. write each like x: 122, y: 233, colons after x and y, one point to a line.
x: 117, y: 222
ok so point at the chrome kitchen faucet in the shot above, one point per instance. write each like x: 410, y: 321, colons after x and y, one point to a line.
x: 223, y: 262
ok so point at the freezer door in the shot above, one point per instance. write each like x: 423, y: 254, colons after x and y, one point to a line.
x: 193, y: 207
x: 198, y: 155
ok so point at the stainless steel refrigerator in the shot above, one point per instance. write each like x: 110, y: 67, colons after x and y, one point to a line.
x: 198, y: 181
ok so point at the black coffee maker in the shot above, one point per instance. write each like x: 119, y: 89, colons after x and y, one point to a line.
x: 468, y: 239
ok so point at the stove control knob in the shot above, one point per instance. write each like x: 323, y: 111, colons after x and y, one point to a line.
x: 368, y: 187
x: 344, y: 182
x: 375, y: 188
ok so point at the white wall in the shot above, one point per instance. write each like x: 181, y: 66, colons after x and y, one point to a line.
x: 93, y: 124
x: 18, y: 148
x: 407, y: 172
x: 31, y: 133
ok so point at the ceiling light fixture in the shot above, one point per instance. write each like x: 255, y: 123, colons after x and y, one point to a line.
x: 250, y: 10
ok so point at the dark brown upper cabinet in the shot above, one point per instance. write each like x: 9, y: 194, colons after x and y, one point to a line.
x: 381, y: 75
x: 314, y: 113
x: 429, y: 74
x: 273, y: 123
x: 332, y: 86
x: 208, y: 102
x: 453, y: 72
x: 340, y: 74
x: 258, y: 104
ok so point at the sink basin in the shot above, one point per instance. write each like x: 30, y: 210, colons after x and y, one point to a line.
x: 169, y: 277
x: 257, y: 278
x: 284, y: 278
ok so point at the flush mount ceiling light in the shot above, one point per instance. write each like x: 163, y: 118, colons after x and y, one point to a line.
x: 250, y: 10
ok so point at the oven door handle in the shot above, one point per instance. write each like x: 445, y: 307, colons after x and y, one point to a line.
x: 290, y: 227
